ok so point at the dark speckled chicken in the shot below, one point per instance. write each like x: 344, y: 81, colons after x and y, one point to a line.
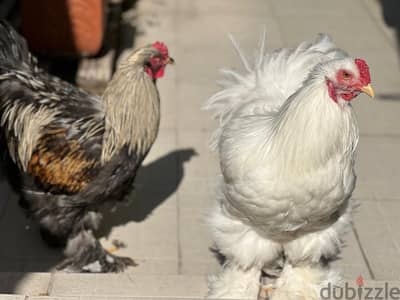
x: 75, y: 151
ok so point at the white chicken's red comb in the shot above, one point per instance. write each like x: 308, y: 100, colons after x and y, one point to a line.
x: 363, y: 68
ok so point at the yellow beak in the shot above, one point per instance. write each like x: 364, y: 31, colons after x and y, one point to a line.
x: 368, y: 90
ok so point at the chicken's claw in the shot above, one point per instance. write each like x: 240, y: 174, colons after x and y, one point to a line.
x: 266, y: 292
x: 116, y: 245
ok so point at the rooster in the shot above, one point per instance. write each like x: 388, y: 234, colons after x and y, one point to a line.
x: 73, y: 151
x: 286, y: 141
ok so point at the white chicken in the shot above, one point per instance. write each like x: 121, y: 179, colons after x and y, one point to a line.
x: 286, y: 140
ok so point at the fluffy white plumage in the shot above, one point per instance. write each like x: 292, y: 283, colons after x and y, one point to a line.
x: 286, y: 152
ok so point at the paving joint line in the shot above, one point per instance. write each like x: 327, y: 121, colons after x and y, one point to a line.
x: 178, y: 212
x: 364, y: 255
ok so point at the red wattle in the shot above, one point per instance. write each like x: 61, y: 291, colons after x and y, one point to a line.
x: 331, y: 90
x: 159, y: 73
x: 149, y: 71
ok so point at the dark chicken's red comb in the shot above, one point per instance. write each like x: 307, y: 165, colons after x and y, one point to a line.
x: 161, y: 47
x: 364, y: 71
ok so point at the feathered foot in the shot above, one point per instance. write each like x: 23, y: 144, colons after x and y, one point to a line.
x: 266, y: 292
x: 234, y: 282
x: 303, y: 282
x: 270, y: 273
x: 85, y: 254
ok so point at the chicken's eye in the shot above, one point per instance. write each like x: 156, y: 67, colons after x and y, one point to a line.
x: 346, y: 75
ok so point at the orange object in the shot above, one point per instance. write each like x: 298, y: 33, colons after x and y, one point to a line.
x: 63, y: 26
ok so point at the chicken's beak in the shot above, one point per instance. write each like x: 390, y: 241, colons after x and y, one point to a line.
x: 170, y: 61
x: 368, y: 90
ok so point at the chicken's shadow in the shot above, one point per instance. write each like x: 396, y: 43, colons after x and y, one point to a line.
x: 155, y: 183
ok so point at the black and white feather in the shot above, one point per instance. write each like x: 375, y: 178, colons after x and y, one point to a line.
x: 75, y: 151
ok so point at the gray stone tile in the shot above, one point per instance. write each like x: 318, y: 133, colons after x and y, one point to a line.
x: 168, y: 96
x: 155, y: 266
x: 242, y: 9
x: 195, y: 242
x: 314, y: 7
x: 384, y: 114
x: 377, y: 242
x: 149, y: 231
x: 205, y: 267
x: 52, y: 298
x: 204, y: 164
x: 378, y: 168
x: 198, y: 193
x: 390, y: 212
x: 128, y: 285
x: 206, y: 73
x: 302, y: 27
x: 351, y: 262
x: 12, y: 297
x: 191, y: 99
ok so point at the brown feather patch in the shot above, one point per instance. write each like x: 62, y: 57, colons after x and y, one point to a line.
x: 60, y: 166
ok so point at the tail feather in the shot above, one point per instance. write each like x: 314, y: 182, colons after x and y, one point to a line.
x: 14, y: 51
x: 235, y: 87
x: 268, y: 80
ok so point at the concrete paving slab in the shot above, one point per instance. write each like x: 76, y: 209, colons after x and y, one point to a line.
x: 241, y: 9
x: 12, y: 297
x: 155, y: 238
x: 379, y: 247
x: 378, y: 168
x: 204, y: 164
x: 302, y: 27
x: 378, y: 117
x: 191, y: 99
x: 53, y: 298
x: 314, y: 7
x: 351, y: 262
x: 168, y: 95
x: 128, y: 285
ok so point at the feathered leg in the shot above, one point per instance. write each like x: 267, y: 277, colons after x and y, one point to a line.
x: 307, y: 267
x: 72, y: 227
x: 235, y: 282
x: 246, y: 254
x: 85, y: 254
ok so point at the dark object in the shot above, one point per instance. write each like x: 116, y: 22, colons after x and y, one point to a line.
x: 63, y: 26
x: 75, y: 152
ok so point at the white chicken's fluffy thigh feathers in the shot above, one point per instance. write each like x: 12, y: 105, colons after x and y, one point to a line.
x: 272, y: 77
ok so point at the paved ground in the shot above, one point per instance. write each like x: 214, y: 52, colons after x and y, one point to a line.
x: 164, y: 228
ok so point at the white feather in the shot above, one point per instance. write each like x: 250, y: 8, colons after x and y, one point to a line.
x: 287, y: 159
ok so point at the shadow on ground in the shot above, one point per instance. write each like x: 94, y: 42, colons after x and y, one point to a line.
x: 155, y: 183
